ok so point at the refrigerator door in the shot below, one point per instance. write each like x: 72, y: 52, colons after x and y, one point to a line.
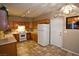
x: 43, y: 26
x: 43, y: 34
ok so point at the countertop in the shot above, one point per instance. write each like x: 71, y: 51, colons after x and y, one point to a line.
x: 9, y: 38
x: 15, y: 32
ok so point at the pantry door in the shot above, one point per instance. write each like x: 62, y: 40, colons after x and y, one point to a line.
x: 56, y: 31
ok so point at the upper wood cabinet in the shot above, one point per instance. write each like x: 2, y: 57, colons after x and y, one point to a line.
x: 14, y: 22
x: 43, y: 21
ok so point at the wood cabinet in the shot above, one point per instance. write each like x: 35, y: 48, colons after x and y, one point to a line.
x: 34, y: 37
x: 29, y: 37
x: 34, y: 25
x: 8, y: 49
x: 16, y: 37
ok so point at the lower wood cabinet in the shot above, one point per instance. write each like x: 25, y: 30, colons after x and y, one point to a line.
x: 8, y: 49
x: 16, y: 37
x: 34, y: 37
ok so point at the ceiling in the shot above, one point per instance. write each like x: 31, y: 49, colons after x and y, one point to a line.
x: 33, y: 9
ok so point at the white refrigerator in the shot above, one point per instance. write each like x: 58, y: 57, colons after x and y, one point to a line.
x: 43, y: 34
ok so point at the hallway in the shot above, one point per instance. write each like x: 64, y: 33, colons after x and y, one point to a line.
x: 31, y: 48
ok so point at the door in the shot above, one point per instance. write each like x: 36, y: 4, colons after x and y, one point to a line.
x: 43, y: 34
x: 57, y: 31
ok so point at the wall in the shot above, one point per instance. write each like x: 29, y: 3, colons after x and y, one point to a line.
x: 71, y: 39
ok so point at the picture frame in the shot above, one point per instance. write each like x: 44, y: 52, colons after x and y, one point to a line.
x: 72, y: 22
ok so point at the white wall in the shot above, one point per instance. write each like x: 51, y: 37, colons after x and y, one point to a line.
x: 71, y: 40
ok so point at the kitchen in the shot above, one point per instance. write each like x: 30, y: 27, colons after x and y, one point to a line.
x: 20, y: 34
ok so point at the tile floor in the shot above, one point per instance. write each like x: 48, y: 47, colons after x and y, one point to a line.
x: 31, y: 48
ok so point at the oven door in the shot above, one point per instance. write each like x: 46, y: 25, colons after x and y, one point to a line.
x: 22, y: 36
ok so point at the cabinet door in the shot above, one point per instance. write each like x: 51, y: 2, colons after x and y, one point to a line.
x: 34, y: 36
x: 8, y: 49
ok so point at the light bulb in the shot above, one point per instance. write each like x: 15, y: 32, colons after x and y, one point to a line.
x: 66, y: 11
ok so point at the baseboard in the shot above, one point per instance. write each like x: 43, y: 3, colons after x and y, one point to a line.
x: 70, y: 51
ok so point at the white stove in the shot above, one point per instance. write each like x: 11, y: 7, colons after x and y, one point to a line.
x: 22, y: 36
x: 22, y: 33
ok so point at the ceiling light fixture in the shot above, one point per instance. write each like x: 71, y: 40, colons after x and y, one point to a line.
x: 68, y: 9
x: 26, y: 12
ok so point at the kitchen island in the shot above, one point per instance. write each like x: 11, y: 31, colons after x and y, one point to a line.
x: 8, y: 46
